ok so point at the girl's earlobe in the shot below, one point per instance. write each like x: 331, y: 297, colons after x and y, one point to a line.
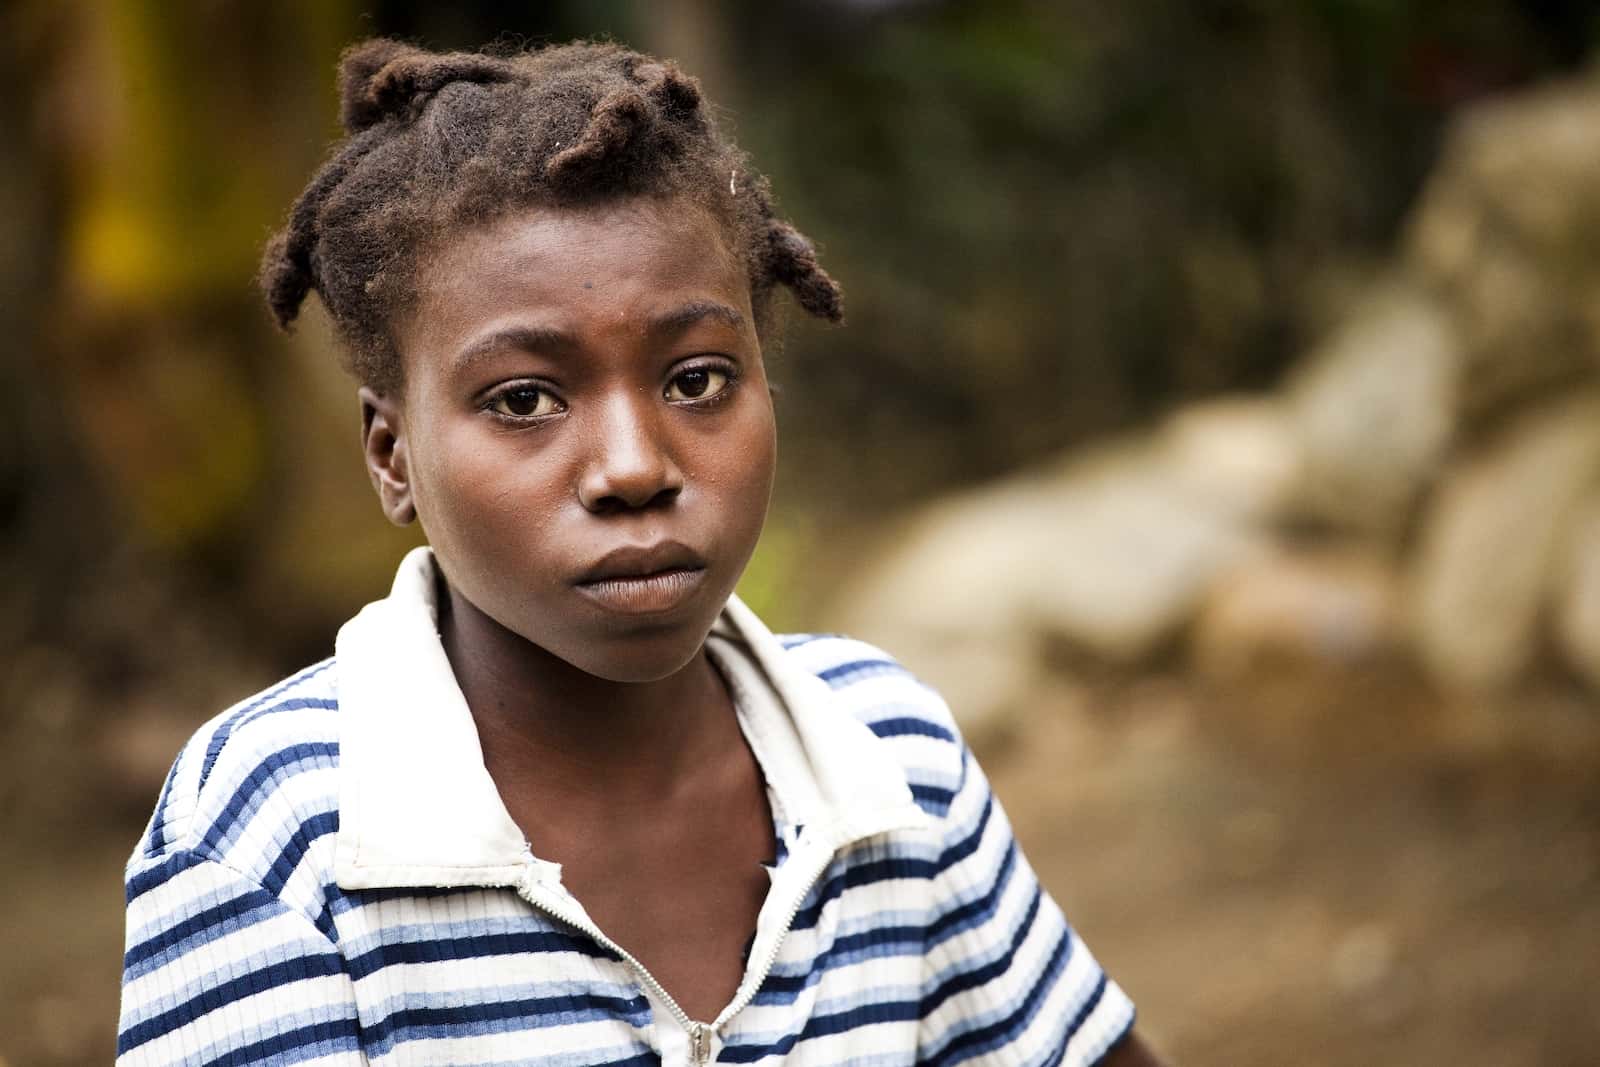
x: 383, y: 443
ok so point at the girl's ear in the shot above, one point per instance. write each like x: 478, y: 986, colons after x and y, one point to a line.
x: 383, y: 442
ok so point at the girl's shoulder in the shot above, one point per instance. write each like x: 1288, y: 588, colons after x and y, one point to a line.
x: 906, y: 713
x: 872, y: 684
x: 253, y: 780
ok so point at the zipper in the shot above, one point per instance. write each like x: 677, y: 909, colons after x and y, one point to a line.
x: 825, y: 853
x: 699, y: 1033
x: 699, y: 1044
x: 747, y: 992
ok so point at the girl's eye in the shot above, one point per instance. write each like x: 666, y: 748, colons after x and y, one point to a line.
x: 697, y: 383
x: 524, y: 402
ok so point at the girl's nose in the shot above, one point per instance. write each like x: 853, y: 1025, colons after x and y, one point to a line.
x: 630, y: 466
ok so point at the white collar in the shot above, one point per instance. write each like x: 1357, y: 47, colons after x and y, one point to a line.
x: 417, y: 806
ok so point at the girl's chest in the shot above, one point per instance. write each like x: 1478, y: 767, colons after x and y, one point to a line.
x: 482, y: 976
x: 685, y: 908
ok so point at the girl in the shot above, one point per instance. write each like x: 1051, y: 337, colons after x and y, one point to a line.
x: 561, y: 798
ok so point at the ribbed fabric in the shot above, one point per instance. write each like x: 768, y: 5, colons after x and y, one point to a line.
x: 932, y: 945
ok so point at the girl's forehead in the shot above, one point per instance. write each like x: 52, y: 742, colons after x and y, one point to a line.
x: 611, y: 264
x: 659, y: 241
x: 592, y: 232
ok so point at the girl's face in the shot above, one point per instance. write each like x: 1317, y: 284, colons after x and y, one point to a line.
x: 585, y: 430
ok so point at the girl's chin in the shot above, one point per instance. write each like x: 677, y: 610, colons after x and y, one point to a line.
x: 636, y: 650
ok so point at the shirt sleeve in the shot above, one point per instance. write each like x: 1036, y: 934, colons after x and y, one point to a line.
x: 220, y: 971
x: 1006, y: 979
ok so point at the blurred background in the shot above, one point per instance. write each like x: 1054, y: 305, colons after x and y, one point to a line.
x: 1217, y: 424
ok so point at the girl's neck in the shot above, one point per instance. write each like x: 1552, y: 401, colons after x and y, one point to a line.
x: 545, y: 724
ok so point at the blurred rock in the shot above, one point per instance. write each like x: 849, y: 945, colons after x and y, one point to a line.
x: 1122, y: 555
x: 1490, y: 546
x: 1327, y: 608
x: 1443, y: 432
x: 1506, y: 236
x: 1374, y: 409
x: 1241, y: 455
x: 990, y: 679
x: 1108, y: 554
x: 1578, y: 593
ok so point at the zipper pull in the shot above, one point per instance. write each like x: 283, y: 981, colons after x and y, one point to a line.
x: 699, y: 1044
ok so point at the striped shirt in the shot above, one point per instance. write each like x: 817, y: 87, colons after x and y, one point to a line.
x: 331, y: 877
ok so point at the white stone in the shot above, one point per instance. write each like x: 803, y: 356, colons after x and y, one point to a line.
x: 1107, y: 554
x: 1337, y: 608
x: 1490, y: 547
x: 1577, y: 596
x: 1374, y: 410
x: 1240, y: 454
x: 1504, y: 235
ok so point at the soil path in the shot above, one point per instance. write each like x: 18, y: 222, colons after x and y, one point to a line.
x: 1315, y: 875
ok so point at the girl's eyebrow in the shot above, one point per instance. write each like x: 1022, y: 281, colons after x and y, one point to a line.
x: 681, y: 318
x: 526, y: 338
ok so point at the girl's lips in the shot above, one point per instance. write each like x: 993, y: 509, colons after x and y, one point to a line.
x: 642, y: 561
x: 645, y: 594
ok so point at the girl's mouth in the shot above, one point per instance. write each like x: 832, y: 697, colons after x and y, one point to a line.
x: 651, y: 593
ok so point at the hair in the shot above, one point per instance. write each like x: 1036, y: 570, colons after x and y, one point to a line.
x: 436, y: 142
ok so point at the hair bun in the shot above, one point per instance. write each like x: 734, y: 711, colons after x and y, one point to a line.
x: 614, y: 124
x: 382, y: 78
x: 676, y: 93
x: 358, y: 66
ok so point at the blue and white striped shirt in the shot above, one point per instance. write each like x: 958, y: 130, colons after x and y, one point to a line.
x: 331, y: 877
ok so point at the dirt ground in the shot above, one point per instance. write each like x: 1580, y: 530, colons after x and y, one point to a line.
x: 1326, y: 873
x: 1311, y: 872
